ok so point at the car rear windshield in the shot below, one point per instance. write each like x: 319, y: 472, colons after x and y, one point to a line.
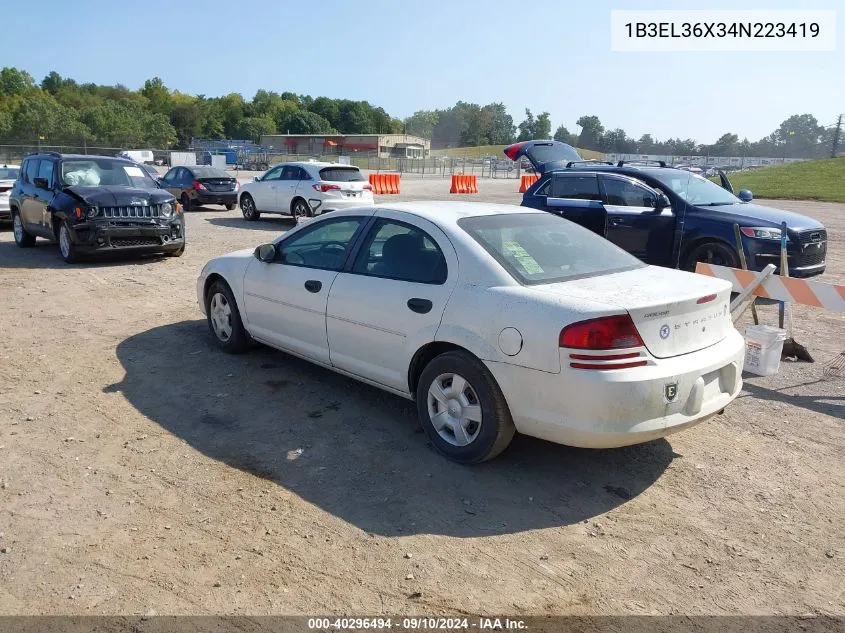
x: 9, y: 173
x: 92, y: 172
x: 209, y: 172
x: 539, y: 248
x: 341, y: 174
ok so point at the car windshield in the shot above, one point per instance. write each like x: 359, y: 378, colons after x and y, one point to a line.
x: 209, y: 172
x: 537, y: 248
x: 94, y: 172
x: 695, y: 189
x: 341, y: 174
x: 9, y: 173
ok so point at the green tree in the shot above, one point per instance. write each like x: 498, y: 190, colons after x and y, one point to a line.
x: 422, y: 122
x: 501, y: 128
x: 302, y: 122
x: 158, y: 96
x: 526, y: 128
x: 39, y: 115
x: 14, y: 82
x: 564, y: 136
x: 254, y: 127
x: 591, y: 132
x: 543, y: 126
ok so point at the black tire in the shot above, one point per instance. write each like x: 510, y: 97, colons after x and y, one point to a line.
x: 185, y: 201
x: 238, y: 340
x: 22, y: 238
x: 264, y: 166
x: 495, y: 430
x: 248, y: 208
x: 300, y: 209
x: 67, y: 248
x: 717, y: 253
x: 230, y: 207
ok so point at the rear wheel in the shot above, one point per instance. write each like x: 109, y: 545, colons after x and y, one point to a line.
x: 229, y: 207
x: 462, y: 409
x: 224, y: 319
x: 715, y: 253
x: 185, y: 200
x: 22, y: 238
x: 300, y: 209
x: 248, y: 208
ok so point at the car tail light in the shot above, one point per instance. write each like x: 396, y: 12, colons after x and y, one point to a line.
x: 198, y: 185
x: 611, y: 332
x: 513, y: 150
x: 368, y: 187
x: 706, y: 299
x: 321, y: 186
x: 4, y: 189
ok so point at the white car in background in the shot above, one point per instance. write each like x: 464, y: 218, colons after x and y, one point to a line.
x: 305, y: 189
x: 8, y: 176
x: 494, y: 318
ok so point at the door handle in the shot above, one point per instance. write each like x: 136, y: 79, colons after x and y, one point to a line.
x: 616, y: 221
x: 421, y: 306
x: 312, y: 285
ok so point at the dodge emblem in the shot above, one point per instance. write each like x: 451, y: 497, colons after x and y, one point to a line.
x: 664, y: 331
x: 670, y: 391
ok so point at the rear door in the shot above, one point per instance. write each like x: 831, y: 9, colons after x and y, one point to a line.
x: 633, y: 221
x: 576, y: 197
x: 544, y: 156
x: 286, y: 187
x: 391, y: 301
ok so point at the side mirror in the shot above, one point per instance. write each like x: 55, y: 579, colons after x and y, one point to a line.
x: 256, y: 179
x: 662, y: 202
x: 266, y: 253
x: 40, y: 183
x: 745, y: 195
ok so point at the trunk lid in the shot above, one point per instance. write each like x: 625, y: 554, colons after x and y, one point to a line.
x: 218, y: 184
x: 544, y: 155
x: 675, y: 312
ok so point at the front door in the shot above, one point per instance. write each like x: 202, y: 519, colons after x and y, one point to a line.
x: 634, y: 223
x: 392, y: 300
x: 285, y: 301
x: 263, y: 192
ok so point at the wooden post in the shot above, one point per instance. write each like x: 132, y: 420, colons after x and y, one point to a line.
x: 742, y: 262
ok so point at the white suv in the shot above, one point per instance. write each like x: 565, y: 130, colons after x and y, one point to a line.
x: 305, y: 189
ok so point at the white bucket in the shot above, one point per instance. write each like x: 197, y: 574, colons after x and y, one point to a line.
x: 763, y: 347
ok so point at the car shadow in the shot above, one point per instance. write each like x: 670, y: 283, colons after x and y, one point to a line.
x: 46, y: 255
x: 265, y: 223
x: 359, y: 453
x: 822, y: 402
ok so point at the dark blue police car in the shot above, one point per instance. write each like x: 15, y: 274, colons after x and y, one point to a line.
x: 666, y: 216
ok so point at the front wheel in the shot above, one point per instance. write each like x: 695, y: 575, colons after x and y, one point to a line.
x: 67, y: 248
x: 462, y: 409
x: 22, y: 238
x: 248, y: 208
x: 229, y: 207
x: 715, y: 253
x: 224, y: 319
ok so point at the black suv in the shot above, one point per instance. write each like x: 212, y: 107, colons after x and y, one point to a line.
x: 93, y: 204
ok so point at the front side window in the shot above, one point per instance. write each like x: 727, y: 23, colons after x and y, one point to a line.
x: 576, y: 187
x: 31, y: 170
x: 45, y: 171
x: 396, y: 250
x: 323, y: 245
x: 538, y: 248
x: 93, y: 172
x: 627, y: 193
x: 273, y: 174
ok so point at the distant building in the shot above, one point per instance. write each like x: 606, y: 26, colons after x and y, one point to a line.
x: 387, y: 145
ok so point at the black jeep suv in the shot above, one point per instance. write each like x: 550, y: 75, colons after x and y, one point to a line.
x: 93, y: 204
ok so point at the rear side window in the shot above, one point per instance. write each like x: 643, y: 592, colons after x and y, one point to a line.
x: 576, y: 187
x: 396, y: 250
x: 341, y: 174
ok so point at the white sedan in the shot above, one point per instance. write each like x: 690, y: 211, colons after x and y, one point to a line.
x: 493, y: 318
x: 305, y: 189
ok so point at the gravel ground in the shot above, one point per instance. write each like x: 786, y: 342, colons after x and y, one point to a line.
x: 142, y: 470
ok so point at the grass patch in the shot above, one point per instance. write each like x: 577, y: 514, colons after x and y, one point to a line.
x: 481, y: 151
x: 810, y: 180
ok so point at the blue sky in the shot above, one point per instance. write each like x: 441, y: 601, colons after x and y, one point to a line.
x: 405, y: 56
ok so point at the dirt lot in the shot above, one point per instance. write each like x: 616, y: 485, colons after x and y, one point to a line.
x: 144, y: 471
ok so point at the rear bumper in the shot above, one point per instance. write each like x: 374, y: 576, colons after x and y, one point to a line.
x: 213, y: 197
x: 319, y: 206
x: 607, y: 409
x: 104, y: 236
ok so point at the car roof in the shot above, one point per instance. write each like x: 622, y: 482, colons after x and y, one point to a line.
x: 318, y: 164
x: 449, y: 212
x: 625, y: 170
